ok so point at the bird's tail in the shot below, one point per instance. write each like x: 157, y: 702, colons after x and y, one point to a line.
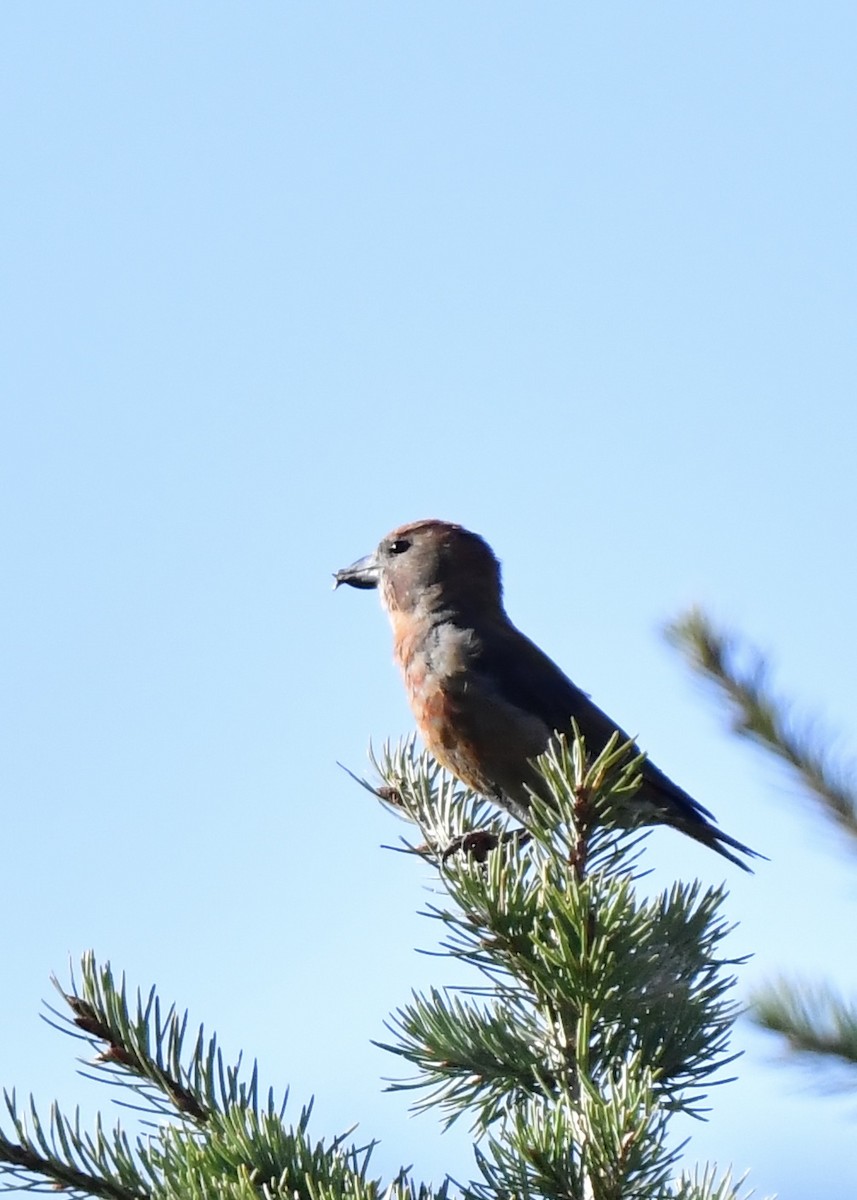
x: 677, y: 808
x: 703, y: 831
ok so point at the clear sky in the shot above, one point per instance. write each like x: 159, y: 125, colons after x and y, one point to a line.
x: 280, y: 276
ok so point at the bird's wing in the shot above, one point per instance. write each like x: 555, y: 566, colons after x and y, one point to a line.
x: 518, y: 672
x: 524, y: 676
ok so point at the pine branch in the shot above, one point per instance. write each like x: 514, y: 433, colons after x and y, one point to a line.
x: 147, y: 1052
x: 215, y: 1138
x: 814, y: 1020
x: 704, y: 1185
x: 617, y: 1130
x: 61, y: 1155
x: 765, y: 718
x: 602, y: 1012
x: 598, y: 1012
x: 475, y: 1058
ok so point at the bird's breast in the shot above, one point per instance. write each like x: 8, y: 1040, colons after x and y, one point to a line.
x: 468, y: 727
x: 434, y: 665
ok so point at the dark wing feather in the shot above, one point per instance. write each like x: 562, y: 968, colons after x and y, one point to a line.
x: 524, y: 676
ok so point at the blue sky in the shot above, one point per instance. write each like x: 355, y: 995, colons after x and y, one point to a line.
x: 279, y: 277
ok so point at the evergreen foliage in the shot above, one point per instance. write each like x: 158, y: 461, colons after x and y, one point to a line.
x: 595, y: 1015
x: 741, y: 674
x: 813, y: 1019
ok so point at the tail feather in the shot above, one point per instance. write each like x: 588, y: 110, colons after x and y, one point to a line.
x: 716, y: 839
x: 676, y: 808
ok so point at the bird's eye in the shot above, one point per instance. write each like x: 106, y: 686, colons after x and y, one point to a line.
x: 399, y: 546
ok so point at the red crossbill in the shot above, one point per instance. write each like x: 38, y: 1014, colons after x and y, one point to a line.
x: 486, y: 699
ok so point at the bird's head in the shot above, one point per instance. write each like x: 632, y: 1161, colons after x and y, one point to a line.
x: 429, y: 567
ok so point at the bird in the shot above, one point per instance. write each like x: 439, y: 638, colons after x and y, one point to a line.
x: 486, y: 699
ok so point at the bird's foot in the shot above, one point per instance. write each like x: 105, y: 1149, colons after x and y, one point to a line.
x: 478, y: 842
x: 390, y: 795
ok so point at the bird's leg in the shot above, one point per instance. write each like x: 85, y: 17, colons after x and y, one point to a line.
x: 478, y: 842
x: 389, y: 795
